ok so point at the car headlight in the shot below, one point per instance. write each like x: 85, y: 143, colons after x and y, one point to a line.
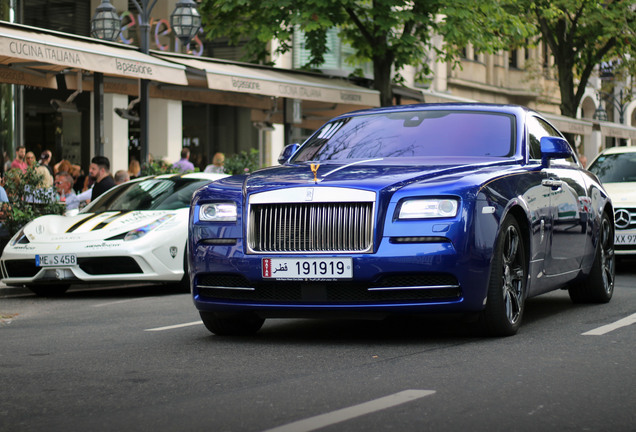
x: 138, y: 233
x: 218, y: 212
x: 20, y: 237
x: 428, y: 208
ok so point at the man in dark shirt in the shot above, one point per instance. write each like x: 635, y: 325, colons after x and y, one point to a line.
x: 100, y: 171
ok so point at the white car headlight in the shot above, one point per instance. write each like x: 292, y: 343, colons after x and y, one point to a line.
x: 142, y: 231
x: 20, y: 237
x: 218, y: 212
x: 429, y: 208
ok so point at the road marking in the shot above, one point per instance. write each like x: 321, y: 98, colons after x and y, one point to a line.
x: 117, y: 302
x: 333, y: 417
x: 175, y: 326
x: 613, y: 326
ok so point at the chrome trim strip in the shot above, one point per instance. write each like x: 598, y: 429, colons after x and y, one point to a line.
x: 317, y: 220
x: 312, y: 194
x: 413, y: 287
x: 227, y: 288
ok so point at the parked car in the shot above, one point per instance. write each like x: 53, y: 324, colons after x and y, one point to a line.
x: 616, y: 168
x: 458, y: 208
x: 134, y: 232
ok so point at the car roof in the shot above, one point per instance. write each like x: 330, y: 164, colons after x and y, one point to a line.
x: 460, y: 106
x: 194, y: 175
x: 617, y: 150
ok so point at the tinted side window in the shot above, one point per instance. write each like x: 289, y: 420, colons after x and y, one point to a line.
x: 537, y: 129
x: 535, y: 133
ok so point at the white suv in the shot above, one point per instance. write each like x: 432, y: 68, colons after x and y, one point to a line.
x: 616, y: 168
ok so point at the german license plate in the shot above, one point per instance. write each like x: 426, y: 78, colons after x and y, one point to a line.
x: 625, y: 239
x: 307, y: 268
x: 52, y: 260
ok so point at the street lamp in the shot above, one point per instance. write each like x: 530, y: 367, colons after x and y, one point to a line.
x: 600, y: 113
x: 106, y: 24
x: 185, y: 21
x: 620, y: 104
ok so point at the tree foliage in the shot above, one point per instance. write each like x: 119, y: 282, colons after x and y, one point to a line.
x: 388, y: 33
x: 581, y: 34
x: 241, y: 163
x: 28, y: 199
x: 158, y: 167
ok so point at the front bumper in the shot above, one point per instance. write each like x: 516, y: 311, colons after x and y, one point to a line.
x: 413, y: 278
x: 102, y: 263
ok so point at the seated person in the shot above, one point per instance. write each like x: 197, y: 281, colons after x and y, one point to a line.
x: 64, y: 186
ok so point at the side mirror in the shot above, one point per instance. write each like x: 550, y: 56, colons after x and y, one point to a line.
x: 554, y: 148
x: 288, y: 152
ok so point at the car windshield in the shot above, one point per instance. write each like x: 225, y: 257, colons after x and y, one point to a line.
x: 412, y: 134
x: 150, y: 194
x: 615, y: 168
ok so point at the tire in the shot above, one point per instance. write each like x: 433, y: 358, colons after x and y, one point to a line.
x: 598, y: 287
x: 508, y: 279
x: 239, y: 324
x: 48, y: 290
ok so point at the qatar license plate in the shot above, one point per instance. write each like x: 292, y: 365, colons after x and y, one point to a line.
x: 625, y: 239
x: 52, y: 260
x: 307, y: 268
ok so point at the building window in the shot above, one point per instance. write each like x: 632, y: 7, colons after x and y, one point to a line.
x: 513, y: 59
x: 335, y: 57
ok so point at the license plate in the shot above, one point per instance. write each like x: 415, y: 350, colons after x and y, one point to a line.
x: 625, y: 239
x: 307, y: 268
x: 53, y: 260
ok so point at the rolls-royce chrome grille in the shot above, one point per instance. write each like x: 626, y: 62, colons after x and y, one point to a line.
x: 333, y: 222
x: 319, y: 227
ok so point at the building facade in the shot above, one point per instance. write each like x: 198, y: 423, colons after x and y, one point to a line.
x: 203, y: 98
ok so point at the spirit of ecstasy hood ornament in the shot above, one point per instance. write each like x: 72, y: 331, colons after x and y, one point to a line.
x: 314, y: 169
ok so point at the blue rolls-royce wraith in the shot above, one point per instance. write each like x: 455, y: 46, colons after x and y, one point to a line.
x: 413, y: 209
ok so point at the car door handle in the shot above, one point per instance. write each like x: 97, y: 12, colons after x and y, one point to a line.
x: 552, y: 183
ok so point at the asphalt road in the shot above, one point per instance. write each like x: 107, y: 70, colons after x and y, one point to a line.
x: 139, y: 359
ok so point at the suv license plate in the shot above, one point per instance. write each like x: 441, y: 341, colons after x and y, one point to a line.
x: 53, y: 260
x: 625, y: 239
x: 307, y: 268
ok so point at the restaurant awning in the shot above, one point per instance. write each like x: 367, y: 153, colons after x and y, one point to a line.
x: 32, y: 56
x: 268, y: 81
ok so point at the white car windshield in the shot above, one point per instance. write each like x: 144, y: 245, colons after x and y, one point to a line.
x: 615, y: 167
x: 149, y: 194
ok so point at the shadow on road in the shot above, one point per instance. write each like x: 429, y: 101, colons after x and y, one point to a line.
x: 540, y: 311
x: 102, y: 291
x: 123, y: 291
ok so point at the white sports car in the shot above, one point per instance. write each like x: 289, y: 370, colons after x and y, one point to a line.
x: 134, y: 232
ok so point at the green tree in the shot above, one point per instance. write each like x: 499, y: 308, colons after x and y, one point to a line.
x: 158, y: 167
x: 581, y: 34
x: 27, y: 199
x: 390, y: 34
x: 241, y: 163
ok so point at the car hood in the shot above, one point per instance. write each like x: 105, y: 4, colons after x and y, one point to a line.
x: 99, y: 226
x: 371, y: 175
x: 622, y: 194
